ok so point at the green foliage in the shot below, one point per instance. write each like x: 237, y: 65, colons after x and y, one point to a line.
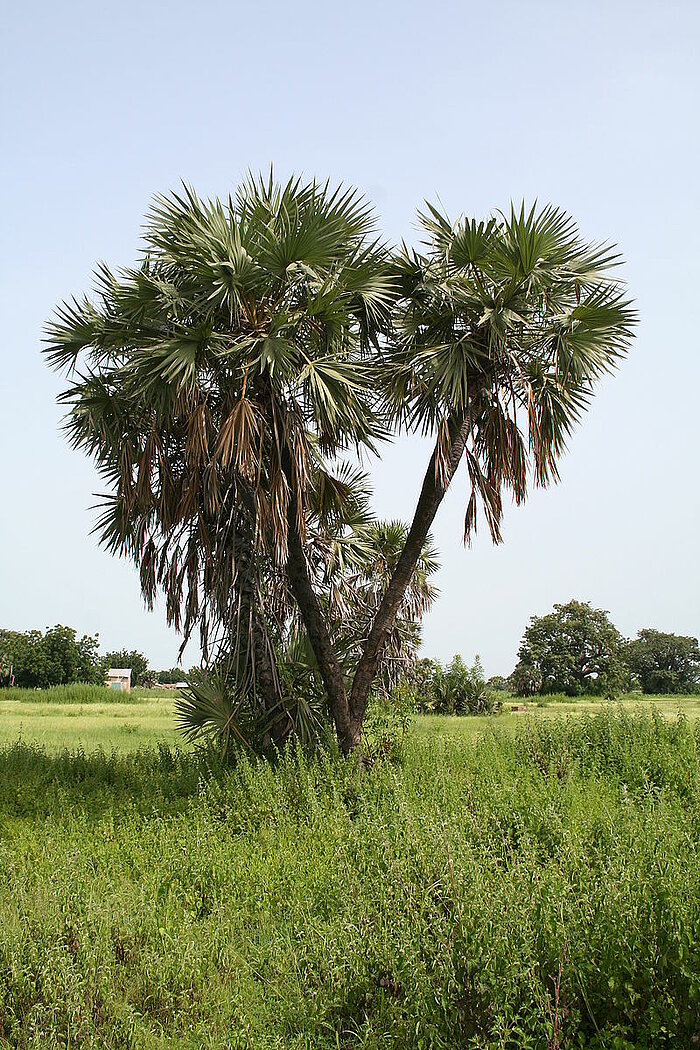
x: 526, y: 679
x: 388, y: 721
x: 57, y: 657
x: 171, y: 677
x: 497, y: 684
x: 519, y: 306
x: 573, y: 650
x: 664, y: 663
x: 453, y: 690
x: 136, y: 661
x: 519, y: 893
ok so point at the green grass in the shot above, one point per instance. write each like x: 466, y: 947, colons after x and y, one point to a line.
x: 88, y: 717
x: 123, y: 727
x: 82, y: 693
x: 517, y: 883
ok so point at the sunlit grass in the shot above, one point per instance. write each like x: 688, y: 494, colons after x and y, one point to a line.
x: 126, y: 727
x: 149, y: 718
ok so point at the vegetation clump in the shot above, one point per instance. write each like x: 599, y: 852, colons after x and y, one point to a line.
x: 455, y: 689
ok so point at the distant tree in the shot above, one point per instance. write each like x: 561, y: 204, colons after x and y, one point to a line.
x: 130, y: 658
x: 57, y: 657
x: 14, y: 653
x: 526, y: 679
x: 573, y: 650
x: 497, y: 683
x: 664, y: 663
x: 171, y: 677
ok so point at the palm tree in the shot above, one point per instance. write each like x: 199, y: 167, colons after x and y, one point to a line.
x: 257, y: 341
x: 210, y: 383
x: 501, y: 332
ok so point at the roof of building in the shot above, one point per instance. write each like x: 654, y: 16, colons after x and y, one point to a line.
x: 120, y: 672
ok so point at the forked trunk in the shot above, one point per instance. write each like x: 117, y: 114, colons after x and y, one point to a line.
x: 347, y: 731
x: 435, y: 485
x: 348, y: 713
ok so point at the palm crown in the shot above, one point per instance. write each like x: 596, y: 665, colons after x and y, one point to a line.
x: 211, y: 380
x: 510, y: 321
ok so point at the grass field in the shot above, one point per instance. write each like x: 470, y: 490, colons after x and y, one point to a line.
x: 88, y: 717
x: 515, y: 882
x: 145, y: 721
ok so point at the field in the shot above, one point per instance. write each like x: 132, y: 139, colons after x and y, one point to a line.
x: 511, y: 882
x: 88, y: 717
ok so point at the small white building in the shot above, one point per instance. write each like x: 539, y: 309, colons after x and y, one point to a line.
x: 119, y: 679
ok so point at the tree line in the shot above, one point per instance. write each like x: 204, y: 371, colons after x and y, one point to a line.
x: 577, y: 650
x: 58, y: 656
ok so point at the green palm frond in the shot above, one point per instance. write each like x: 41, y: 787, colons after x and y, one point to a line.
x: 508, y: 323
x: 211, y: 708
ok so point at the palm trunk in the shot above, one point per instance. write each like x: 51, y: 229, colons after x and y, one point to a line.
x: 431, y: 496
x: 347, y: 731
x: 270, y: 686
x: 261, y: 664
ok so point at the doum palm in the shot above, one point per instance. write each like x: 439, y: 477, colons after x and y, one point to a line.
x: 260, y: 343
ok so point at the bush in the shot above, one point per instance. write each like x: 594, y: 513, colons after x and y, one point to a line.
x: 454, y: 690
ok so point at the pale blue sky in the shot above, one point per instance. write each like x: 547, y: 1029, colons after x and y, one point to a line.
x: 592, y: 106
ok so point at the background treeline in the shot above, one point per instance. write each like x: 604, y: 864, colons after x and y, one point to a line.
x: 36, y: 660
x: 577, y: 650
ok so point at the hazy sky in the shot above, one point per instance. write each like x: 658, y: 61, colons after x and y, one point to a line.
x: 593, y: 106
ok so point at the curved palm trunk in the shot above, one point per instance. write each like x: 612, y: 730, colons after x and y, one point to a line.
x: 431, y: 496
x: 347, y: 730
x: 262, y: 664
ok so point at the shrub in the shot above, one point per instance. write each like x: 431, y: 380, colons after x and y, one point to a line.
x: 455, y: 689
